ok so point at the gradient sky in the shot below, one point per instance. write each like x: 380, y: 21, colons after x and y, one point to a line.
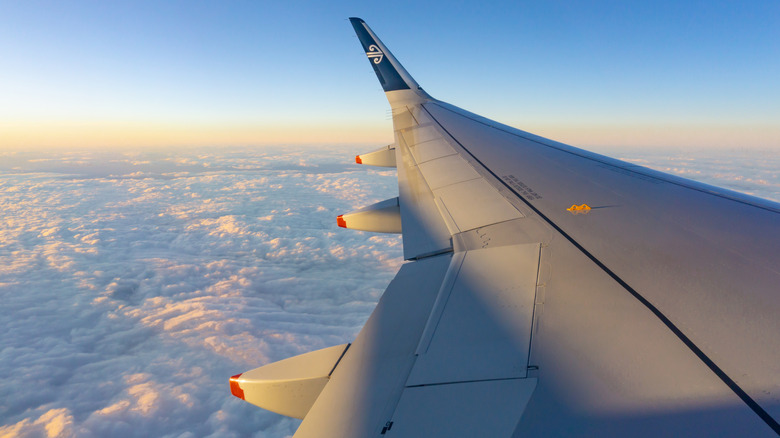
x: 589, y: 73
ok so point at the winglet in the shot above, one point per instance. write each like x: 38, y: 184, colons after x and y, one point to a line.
x: 389, y: 71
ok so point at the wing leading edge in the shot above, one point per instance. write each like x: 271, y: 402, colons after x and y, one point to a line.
x: 651, y: 312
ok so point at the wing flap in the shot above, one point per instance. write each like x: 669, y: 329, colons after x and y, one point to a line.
x: 431, y: 150
x: 425, y: 231
x: 490, y: 409
x: 457, y: 325
x: 364, y: 389
x: 446, y: 171
x: 420, y: 134
x: 480, y: 327
x: 475, y: 203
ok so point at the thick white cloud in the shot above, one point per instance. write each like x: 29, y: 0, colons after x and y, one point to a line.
x: 134, y: 284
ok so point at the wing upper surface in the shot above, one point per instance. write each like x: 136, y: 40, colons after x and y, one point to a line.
x: 694, y: 254
x: 691, y: 261
x: 651, y: 312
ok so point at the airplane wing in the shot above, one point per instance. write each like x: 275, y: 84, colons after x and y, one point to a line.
x: 548, y: 291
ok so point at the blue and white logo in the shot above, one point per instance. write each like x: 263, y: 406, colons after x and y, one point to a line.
x: 375, y: 54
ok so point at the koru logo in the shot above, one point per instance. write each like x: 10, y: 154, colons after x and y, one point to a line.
x: 375, y: 54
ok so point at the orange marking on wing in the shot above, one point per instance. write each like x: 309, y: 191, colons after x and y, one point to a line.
x: 575, y: 209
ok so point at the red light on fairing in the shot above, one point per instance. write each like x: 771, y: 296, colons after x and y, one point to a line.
x: 234, y: 388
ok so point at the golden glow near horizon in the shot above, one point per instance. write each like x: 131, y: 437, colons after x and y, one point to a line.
x: 208, y: 74
x: 90, y: 135
x: 108, y: 134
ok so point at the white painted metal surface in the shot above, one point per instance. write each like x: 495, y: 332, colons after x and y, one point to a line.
x: 288, y: 387
x: 382, y: 157
x: 382, y: 217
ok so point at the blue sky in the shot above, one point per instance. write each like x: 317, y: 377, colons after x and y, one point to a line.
x: 591, y: 73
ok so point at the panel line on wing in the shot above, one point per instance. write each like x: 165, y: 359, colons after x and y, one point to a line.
x: 412, y: 115
x: 440, y: 303
x: 464, y: 381
x: 475, y: 203
x: 725, y: 378
x: 538, y: 306
x: 446, y: 171
x: 449, y: 222
x: 420, y: 134
x: 431, y: 150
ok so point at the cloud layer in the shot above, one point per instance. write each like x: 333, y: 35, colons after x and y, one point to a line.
x: 751, y: 171
x: 134, y: 284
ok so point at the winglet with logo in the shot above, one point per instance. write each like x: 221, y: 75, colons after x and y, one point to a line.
x: 389, y: 71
